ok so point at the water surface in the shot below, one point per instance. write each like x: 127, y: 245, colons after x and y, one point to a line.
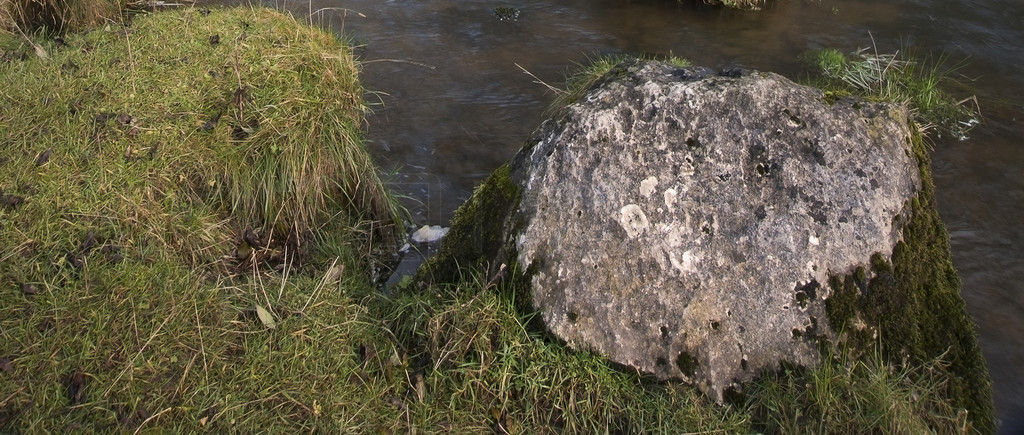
x: 452, y: 103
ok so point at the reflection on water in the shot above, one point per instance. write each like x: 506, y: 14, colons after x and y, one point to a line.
x: 452, y: 103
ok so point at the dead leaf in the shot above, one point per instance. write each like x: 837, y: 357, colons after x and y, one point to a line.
x: 29, y: 289
x: 421, y: 387
x: 398, y: 403
x: 45, y: 325
x: 334, y: 273
x: 39, y: 51
x: 502, y: 422
x: 76, y: 386
x: 44, y: 157
x: 75, y: 260
x: 211, y: 123
x: 11, y: 201
x: 88, y: 243
x: 112, y: 253
x: 266, y: 318
x: 357, y: 379
x: 252, y: 239
x: 6, y: 365
x: 243, y: 252
x: 367, y: 353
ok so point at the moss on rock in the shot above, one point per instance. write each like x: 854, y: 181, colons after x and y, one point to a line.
x: 477, y: 235
x: 911, y: 303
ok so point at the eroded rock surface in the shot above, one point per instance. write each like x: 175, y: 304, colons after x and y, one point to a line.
x: 685, y: 223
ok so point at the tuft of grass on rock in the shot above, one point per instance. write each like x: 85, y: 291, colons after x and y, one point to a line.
x: 586, y: 75
x: 740, y: 4
x: 901, y: 77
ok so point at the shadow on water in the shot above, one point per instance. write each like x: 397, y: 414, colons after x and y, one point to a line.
x: 452, y: 103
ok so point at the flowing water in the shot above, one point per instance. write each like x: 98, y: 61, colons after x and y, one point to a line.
x: 453, y: 101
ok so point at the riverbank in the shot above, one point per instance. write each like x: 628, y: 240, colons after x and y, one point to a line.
x: 162, y: 272
x: 189, y: 221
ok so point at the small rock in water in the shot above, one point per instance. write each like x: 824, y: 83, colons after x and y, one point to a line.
x: 428, y: 234
x: 505, y: 13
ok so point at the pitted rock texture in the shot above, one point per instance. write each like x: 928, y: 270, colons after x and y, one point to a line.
x: 684, y: 222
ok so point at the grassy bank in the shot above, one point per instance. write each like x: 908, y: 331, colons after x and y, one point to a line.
x: 186, y: 211
x: 187, y: 227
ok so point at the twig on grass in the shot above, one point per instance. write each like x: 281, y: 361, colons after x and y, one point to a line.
x: 131, y: 363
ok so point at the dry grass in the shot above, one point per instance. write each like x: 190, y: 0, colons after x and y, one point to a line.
x: 58, y: 15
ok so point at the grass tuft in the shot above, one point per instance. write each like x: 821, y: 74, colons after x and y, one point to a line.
x: 585, y: 76
x: 859, y: 395
x: 902, y: 77
x: 481, y: 368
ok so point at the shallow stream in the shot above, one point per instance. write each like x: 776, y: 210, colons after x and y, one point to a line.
x: 453, y: 101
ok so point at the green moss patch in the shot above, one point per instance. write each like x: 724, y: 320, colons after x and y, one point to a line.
x: 911, y: 304
x: 478, y: 233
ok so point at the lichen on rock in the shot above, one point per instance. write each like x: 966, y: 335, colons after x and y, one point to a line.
x: 683, y: 222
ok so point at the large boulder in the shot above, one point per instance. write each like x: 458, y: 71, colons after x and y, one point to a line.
x: 682, y: 223
x: 709, y: 227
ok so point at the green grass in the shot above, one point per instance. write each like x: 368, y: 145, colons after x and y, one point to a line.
x: 161, y: 181
x: 920, y: 82
x: 476, y: 361
x: 861, y: 395
x: 166, y: 265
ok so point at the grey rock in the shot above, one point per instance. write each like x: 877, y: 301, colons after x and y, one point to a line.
x: 685, y: 223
